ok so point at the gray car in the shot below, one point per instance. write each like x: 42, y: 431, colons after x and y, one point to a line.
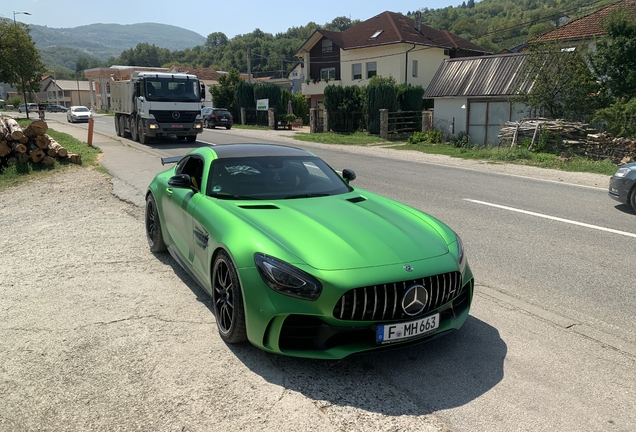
x: 622, y: 186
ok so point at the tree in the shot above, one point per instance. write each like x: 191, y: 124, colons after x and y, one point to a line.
x: 224, y: 95
x: 215, y: 40
x: 560, y: 83
x: 615, y: 58
x: 20, y: 63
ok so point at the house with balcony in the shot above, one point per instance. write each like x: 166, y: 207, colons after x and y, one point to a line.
x: 388, y: 44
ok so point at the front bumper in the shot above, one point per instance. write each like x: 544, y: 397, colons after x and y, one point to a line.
x: 300, y: 328
x: 155, y: 129
x: 620, y: 187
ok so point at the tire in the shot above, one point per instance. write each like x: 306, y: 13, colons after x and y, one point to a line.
x: 632, y: 198
x: 153, y: 226
x: 141, y: 132
x: 228, y: 127
x: 227, y: 300
x: 122, y: 127
x: 117, y: 130
x: 133, y: 129
x: 191, y: 138
x: 206, y: 124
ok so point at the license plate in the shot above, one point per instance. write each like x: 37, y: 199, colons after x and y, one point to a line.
x: 176, y: 126
x: 223, y: 119
x: 406, y: 330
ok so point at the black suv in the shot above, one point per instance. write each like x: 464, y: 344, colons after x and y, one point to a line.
x: 213, y: 117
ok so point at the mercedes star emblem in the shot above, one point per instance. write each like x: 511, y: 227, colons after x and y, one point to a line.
x: 176, y: 115
x: 414, y: 300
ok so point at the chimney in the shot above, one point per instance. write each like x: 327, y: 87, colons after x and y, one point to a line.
x: 418, y: 21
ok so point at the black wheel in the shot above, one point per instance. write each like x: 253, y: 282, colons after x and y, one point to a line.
x: 191, y: 138
x: 141, y: 132
x: 133, y: 129
x: 153, y: 226
x: 228, y: 300
x: 228, y: 127
x: 632, y: 198
x: 206, y: 124
x: 122, y: 127
x: 117, y: 130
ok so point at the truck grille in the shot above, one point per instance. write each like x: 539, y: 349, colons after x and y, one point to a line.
x: 167, y: 116
x: 384, y: 302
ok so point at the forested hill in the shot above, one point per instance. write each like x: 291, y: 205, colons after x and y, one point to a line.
x: 493, y: 24
x: 501, y: 24
x: 102, y: 41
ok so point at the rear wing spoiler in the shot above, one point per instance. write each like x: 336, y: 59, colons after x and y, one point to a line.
x: 171, y: 160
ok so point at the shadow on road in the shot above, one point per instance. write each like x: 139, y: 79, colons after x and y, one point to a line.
x: 443, y: 373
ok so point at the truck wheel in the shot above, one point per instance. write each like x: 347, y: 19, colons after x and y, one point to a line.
x: 133, y: 129
x: 117, y: 131
x: 191, y: 138
x: 122, y: 127
x: 141, y: 132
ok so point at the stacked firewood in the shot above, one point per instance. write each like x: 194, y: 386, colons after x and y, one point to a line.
x: 30, y: 144
x: 570, y: 138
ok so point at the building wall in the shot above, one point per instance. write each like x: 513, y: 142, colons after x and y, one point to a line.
x: 391, y: 61
x: 450, y: 116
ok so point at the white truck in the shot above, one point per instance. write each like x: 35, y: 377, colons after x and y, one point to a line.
x: 152, y: 104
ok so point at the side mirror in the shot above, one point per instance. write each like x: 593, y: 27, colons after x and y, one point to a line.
x: 180, y: 181
x: 348, y: 174
x: 202, y: 91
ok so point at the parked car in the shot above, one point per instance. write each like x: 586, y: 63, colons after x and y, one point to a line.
x: 33, y: 107
x: 213, y: 117
x: 622, y: 186
x: 78, y: 114
x: 56, y: 108
x: 300, y: 263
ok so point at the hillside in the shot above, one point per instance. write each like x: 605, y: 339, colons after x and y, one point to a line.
x: 102, y: 41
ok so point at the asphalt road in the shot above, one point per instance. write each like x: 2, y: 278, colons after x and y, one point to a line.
x: 551, y: 341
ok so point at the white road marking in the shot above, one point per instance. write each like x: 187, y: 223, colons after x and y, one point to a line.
x: 600, y: 228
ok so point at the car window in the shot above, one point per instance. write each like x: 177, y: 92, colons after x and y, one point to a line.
x: 81, y: 109
x: 221, y: 112
x: 273, y: 178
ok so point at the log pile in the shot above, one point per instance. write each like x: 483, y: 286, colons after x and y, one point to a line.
x: 30, y: 144
x: 569, y: 138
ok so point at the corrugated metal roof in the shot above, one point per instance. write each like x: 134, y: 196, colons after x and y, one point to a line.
x: 496, y: 75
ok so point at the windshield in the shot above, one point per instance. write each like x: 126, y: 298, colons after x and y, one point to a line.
x: 274, y: 177
x: 168, y: 89
x: 80, y: 109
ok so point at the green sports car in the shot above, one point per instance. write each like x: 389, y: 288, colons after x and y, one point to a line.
x: 300, y: 263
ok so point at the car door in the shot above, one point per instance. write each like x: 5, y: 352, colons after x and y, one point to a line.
x: 178, y: 207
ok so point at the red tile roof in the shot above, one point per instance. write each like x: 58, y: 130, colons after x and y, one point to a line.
x: 397, y: 28
x: 588, y: 26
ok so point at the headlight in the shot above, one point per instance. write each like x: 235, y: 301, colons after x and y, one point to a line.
x: 622, y: 172
x: 287, y: 279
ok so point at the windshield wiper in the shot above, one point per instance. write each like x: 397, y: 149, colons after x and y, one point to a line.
x: 307, y: 195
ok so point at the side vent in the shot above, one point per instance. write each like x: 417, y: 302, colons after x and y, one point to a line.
x: 356, y: 199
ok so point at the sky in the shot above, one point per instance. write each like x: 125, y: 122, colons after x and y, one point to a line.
x: 204, y: 16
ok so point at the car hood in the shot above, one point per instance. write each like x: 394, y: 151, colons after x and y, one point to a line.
x: 345, y: 231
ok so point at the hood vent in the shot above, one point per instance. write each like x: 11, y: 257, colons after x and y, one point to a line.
x: 259, y: 207
x: 356, y: 199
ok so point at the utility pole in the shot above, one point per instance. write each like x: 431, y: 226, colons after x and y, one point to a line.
x: 249, y: 67
x: 26, y: 104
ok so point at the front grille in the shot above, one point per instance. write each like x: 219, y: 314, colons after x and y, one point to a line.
x: 167, y: 116
x: 384, y: 302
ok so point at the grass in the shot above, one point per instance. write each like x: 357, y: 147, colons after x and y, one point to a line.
x: 356, y: 138
x: 249, y: 127
x: 22, y: 172
x: 518, y: 155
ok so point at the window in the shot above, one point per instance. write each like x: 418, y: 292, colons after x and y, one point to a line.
x: 328, y: 73
x: 376, y: 34
x: 327, y: 46
x: 414, y: 68
x: 356, y: 71
x: 372, y: 69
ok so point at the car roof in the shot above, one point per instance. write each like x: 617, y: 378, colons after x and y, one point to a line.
x: 224, y: 151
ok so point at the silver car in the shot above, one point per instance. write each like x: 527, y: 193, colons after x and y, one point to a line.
x: 78, y: 114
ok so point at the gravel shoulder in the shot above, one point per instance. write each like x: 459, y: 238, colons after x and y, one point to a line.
x: 100, y: 334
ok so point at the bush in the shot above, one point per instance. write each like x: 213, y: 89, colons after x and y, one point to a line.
x: 431, y: 136
x: 462, y: 140
x: 619, y: 119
